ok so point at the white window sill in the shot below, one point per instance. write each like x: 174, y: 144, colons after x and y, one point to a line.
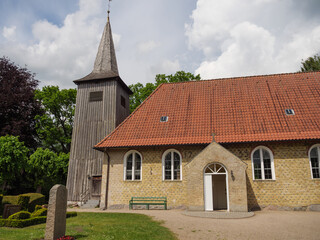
x: 315, y: 179
x: 264, y: 180
x: 171, y: 180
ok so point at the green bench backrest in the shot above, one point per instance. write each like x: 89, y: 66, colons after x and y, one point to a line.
x: 149, y: 198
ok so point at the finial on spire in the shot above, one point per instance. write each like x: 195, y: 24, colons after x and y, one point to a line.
x: 109, y: 9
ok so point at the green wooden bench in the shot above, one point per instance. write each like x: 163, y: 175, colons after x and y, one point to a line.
x: 148, y: 201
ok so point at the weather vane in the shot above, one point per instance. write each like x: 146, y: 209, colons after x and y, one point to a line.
x: 109, y: 8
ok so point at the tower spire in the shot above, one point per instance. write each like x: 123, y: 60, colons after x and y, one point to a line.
x: 105, y: 65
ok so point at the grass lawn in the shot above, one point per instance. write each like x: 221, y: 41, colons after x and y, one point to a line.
x: 98, y: 226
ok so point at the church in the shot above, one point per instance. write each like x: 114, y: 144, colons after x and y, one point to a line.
x: 233, y: 144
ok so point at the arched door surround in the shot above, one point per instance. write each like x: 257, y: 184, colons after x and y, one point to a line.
x: 216, y: 194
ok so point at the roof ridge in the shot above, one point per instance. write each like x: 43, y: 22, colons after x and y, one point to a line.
x: 124, y: 121
x: 242, y: 77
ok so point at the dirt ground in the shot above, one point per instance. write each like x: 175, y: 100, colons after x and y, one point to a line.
x: 263, y: 225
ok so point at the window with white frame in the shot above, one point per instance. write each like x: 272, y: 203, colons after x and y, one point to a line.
x: 262, y: 164
x: 314, y: 158
x: 171, y: 165
x: 132, y: 166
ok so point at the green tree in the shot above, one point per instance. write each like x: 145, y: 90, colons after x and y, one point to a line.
x: 312, y: 64
x: 140, y: 92
x: 47, y: 168
x: 13, y: 160
x: 17, y: 104
x: 54, y: 127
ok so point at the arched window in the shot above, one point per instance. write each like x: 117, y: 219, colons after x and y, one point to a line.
x: 171, y: 165
x: 314, y: 158
x: 132, y: 165
x: 262, y: 164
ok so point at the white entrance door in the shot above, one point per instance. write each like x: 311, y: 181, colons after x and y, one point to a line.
x: 208, y: 200
x: 215, y: 187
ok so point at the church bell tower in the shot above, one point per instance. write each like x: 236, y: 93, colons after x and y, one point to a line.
x: 102, y: 104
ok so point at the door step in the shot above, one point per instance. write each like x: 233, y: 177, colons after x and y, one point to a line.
x: 91, y: 204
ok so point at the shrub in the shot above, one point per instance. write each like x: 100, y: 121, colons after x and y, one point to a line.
x: 40, y: 212
x: 71, y: 214
x: 37, y: 207
x: 20, y: 215
x: 23, y: 201
x: 17, y: 223
x: 1, y: 206
x: 35, y: 199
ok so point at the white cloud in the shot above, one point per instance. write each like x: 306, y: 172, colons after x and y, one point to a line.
x: 248, y: 51
x: 147, y: 46
x: 54, y: 55
x: 165, y: 67
x: 9, y: 32
x: 251, y: 37
x: 225, y: 38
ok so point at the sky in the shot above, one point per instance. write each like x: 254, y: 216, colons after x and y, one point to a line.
x: 58, y: 40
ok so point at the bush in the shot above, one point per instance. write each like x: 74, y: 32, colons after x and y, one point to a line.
x: 1, y: 205
x: 22, y: 223
x: 35, y: 199
x: 37, y: 207
x: 20, y: 215
x: 71, y: 214
x: 40, y: 212
x: 23, y: 201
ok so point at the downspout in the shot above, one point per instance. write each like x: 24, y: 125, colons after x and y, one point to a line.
x: 107, y: 185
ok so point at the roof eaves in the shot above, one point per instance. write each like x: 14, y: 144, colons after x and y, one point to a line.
x: 137, y: 109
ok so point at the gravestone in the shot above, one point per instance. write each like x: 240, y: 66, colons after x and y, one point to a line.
x: 10, y: 209
x: 56, y: 216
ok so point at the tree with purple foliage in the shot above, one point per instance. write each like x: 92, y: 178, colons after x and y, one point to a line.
x: 18, y: 106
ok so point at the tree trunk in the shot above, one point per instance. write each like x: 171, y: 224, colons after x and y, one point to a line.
x: 39, y: 188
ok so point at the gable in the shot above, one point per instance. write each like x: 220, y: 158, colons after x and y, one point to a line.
x: 233, y: 110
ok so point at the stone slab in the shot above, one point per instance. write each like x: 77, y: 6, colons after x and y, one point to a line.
x: 10, y: 209
x: 219, y: 214
x: 314, y: 207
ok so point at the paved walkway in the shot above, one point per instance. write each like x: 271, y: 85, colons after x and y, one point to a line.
x: 263, y: 225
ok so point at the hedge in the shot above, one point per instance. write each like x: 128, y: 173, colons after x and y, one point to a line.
x: 39, y: 212
x: 35, y: 199
x: 37, y: 207
x: 1, y: 205
x: 22, y: 223
x: 23, y: 201
x: 20, y: 215
x: 16, y: 223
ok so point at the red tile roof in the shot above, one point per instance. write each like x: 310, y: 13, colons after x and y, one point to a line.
x: 243, y: 109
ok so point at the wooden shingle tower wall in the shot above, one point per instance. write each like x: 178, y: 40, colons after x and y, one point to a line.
x: 102, y: 104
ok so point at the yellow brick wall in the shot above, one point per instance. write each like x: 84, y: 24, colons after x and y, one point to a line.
x: 151, y: 185
x: 293, y: 185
